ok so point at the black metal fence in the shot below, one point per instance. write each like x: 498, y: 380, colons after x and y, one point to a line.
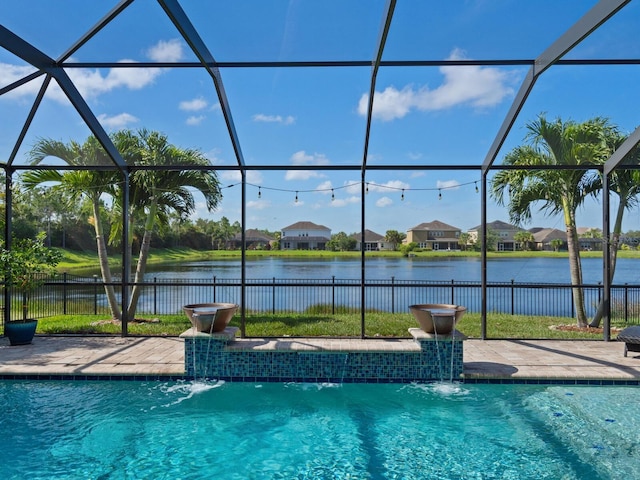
x: 70, y: 294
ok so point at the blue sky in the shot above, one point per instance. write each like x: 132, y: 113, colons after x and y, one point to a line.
x: 423, y: 116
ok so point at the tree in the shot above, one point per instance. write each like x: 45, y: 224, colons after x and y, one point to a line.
x: 465, y: 241
x: 556, y: 243
x: 571, y: 146
x: 395, y: 238
x: 341, y: 242
x: 156, y: 193
x: 89, y: 183
x: 626, y: 184
x: 492, y: 240
x: 524, y: 239
x: 153, y: 193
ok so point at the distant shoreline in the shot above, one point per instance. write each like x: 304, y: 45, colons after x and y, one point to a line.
x: 79, y: 261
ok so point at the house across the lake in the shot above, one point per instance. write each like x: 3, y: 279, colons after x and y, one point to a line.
x: 372, y: 241
x: 504, y: 232
x: 304, y: 236
x: 253, y: 240
x: 434, y: 235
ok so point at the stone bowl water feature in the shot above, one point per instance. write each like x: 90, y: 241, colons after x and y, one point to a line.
x: 439, y: 318
x: 210, y: 317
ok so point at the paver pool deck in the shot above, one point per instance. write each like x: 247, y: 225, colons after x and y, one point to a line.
x: 483, y: 359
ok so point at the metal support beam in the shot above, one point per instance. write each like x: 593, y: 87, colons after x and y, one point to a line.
x: 104, y: 21
x: 382, y: 39
x: 606, y: 257
x: 618, y: 156
x: 591, y: 20
x: 27, y: 122
x: 44, y: 63
x: 179, y: 18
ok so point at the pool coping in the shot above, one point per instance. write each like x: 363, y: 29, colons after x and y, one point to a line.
x: 103, y: 358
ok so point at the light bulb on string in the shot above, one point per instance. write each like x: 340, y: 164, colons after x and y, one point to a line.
x: 259, y: 193
x: 296, y: 196
x: 476, y: 186
x: 439, y: 194
x: 402, y: 196
x: 366, y: 191
x: 333, y: 196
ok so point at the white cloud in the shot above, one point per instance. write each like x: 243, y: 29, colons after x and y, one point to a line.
x: 93, y: 83
x: 166, y: 51
x: 12, y: 73
x: 233, y: 176
x: 384, y: 202
x: 477, y: 86
x: 195, y: 120
x: 193, y: 105
x: 116, y: 121
x: 302, y: 158
x: 343, y: 202
x: 325, y: 187
x: 414, y: 156
x: 448, y: 184
x: 388, y: 186
x: 352, y: 186
x: 258, y: 204
x: 260, y: 117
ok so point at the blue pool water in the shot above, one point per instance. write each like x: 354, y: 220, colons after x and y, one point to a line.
x: 135, y: 430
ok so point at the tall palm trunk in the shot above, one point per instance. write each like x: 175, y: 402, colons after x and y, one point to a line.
x: 575, y: 266
x: 142, y: 261
x: 613, y: 257
x: 105, y: 270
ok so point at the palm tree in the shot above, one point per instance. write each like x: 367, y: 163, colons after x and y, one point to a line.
x: 394, y: 237
x: 626, y: 184
x: 155, y: 194
x: 89, y: 183
x: 524, y: 239
x: 571, y: 147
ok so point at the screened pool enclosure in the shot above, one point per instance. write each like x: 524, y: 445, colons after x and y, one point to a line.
x: 372, y: 116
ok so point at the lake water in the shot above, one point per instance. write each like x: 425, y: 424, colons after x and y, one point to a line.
x: 520, y: 270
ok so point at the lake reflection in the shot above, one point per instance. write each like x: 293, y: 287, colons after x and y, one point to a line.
x: 459, y: 269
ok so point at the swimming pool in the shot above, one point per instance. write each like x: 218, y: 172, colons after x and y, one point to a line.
x: 136, y: 430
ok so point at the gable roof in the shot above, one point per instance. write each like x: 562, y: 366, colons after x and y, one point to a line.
x: 369, y: 236
x: 548, y: 234
x: 435, y: 225
x: 304, y: 225
x: 253, y: 235
x: 496, y: 225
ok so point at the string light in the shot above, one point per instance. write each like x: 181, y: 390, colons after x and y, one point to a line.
x: 367, y: 184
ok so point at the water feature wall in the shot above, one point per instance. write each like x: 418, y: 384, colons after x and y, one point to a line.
x: 224, y: 357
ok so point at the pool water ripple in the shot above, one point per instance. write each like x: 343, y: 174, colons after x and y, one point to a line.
x: 141, y: 430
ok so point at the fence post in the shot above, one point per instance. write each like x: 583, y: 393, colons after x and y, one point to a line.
x: 155, y: 295
x: 453, y: 290
x: 626, y: 303
x: 513, y: 299
x: 64, y: 293
x: 214, y: 289
x: 95, y: 294
x: 333, y: 295
x: 273, y: 296
x: 393, y: 295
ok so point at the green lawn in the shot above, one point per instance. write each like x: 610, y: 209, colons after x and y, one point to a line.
x: 339, y: 325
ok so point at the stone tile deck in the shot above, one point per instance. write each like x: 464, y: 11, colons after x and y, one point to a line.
x: 490, y: 359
